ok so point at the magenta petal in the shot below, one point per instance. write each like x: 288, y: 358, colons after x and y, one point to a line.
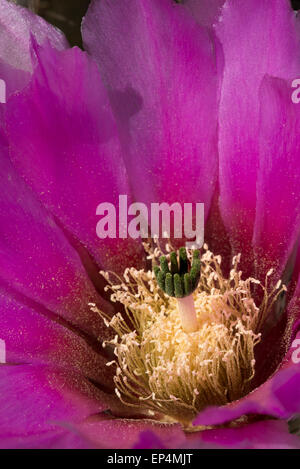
x: 159, y: 67
x: 34, y: 399
x: 206, y: 12
x: 294, y: 310
x: 34, y: 335
x: 55, y: 439
x: 148, y: 440
x: 14, y: 80
x: 257, y: 40
x: 17, y: 25
x: 277, y: 223
x: 260, y: 435
x: 64, y: 142
x: 38, y: 261
x: 128, y: 433
x: 279, y: 397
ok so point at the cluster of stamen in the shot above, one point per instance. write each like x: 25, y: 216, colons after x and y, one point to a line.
x: 160, y: 366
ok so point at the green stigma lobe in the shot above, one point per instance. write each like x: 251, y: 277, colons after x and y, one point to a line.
x: 169, y: 285
x: 183, y: 261
x: 179, y: 279
x: 164, y: 265
x: 174, y: 263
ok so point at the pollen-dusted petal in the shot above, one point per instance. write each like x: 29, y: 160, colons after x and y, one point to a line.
x: 277, y: 223
x: 160, y: 68
x: 278, y: 397
x: 33, y: 334
x: 128, y: 433
x: 64, y: 141
x: 270, y: 434
x: 60, y: 438
x: 206, y: 12
x: 17, y: 26
x: 257, y: 40
x: 43, y: 406
x: 37, y: 260
x: 35, y: 399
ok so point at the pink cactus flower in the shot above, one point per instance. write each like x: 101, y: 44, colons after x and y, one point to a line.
x: 171, y: 102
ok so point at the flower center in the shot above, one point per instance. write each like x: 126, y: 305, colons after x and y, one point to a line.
x: 180, y: 348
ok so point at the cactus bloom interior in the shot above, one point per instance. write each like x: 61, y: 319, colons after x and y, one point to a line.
x: 185, y: 102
